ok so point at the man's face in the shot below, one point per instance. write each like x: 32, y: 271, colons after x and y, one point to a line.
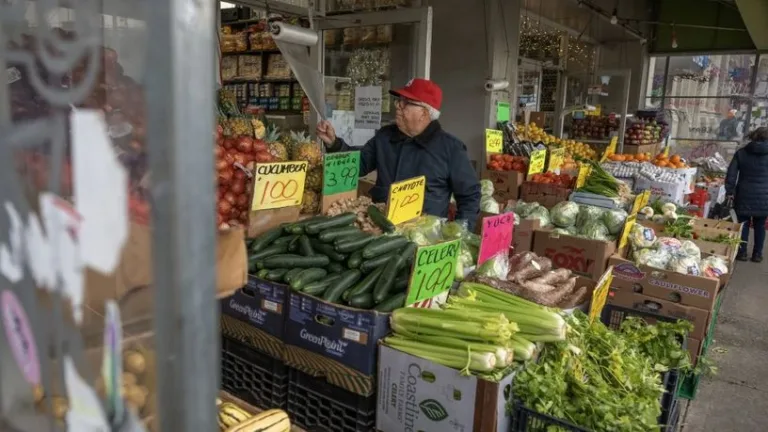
x: 410, y: 116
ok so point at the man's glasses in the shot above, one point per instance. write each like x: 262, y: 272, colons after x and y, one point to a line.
x: 402, y: 103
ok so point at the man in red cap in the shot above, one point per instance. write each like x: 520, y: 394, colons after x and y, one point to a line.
x: 416, y: 145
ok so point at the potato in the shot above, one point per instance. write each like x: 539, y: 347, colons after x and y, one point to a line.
x: 135, y: 362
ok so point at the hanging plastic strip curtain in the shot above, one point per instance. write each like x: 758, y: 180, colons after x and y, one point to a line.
x: 294, y: 43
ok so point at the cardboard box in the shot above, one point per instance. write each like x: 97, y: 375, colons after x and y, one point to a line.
x: 335, y: 341
x: 408, y: 402
x: 668, y: 192
x: 706, y: 228
x: 260, y: 303
x: 625, y: 298
x: 545, y: 194
x: 522, y: 235
x: 694, y: 349
x: 653, y: 149
x: 584, y: 257
x: 718, y: 224
x: 365, y: 184
x: 687, y: 290
x: 506, y: 184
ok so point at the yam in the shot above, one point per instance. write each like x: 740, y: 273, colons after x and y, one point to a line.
x: 533, y: 269
x: 520, y: 260
x: 574, y: 299
x: 554, y: 277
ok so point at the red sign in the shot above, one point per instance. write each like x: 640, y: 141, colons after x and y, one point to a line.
x: 571, y: 258
x: 496, y: 236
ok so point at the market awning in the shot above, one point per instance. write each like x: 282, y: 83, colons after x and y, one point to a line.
x: 755, y: 14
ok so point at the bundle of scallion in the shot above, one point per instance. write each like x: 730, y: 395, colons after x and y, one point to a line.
x: 473, y: 341
x: 536, y: 323
x: 600, y: 182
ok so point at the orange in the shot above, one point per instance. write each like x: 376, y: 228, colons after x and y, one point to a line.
x: 661, y: 163
x: 675, y: 159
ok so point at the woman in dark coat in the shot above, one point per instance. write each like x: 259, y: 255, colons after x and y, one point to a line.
x: 747, y: 183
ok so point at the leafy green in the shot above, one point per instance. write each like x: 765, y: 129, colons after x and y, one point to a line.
x: 661, y: 342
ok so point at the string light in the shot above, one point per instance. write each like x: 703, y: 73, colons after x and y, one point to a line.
x: 543, y: 43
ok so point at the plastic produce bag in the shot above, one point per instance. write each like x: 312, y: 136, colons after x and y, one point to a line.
x: 453, y: 230
x: 564, y: 214
x: 656, y: 258
x: 489, y: 205
x: 684, y: 265
x: 595, y: 230
x: 669, y: 244
x: 424, y: 231
x: 714, y: 266
x: 689, y: 249
x: 496, y: 267
x: 524, y: 209
x: 614, y: 220
x: 642, y: 237
x: 542, y: 214
x: 486, y: 188
x: 588, y: 213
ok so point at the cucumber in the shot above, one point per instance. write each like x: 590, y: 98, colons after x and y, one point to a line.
x: 380, y: 219
x: 355, y: 259
x: 348, y: 245
x: 284, y: 240
x: 267, y: 251
x: 292, y: 274
x: 372, y: 264
x: 298, y: 227
x: 305, y: 247
x: 393, y: 302
x: 408, y: 253
x: 335, y: 267
x: 387, y: 279
x: 292, y: 261
x: 328, y: 250
x: 318, y: 287
x: 332, y: 222
x: 401, y: 283
x: 347, y: 279
x: 293, y: 246
x: 262, y: 273
x: 265, y: 239
x: 361, y: 301
x: 307, y: 276
x: 276, y: 275
x: 329, y: 235
x: 382, y: 245
x: 364, y: 286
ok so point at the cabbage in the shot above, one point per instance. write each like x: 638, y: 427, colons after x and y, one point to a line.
x: 642, y: 237
x: 588, y: 213
x: 465, y: 261
x: 669, y: 244
x: 524, y: 209
x: 563, y: 231
x: 689, y: 249
x: 564, y: 214
x: 517, y: 218
x: 595, y: 230
x: 486, y: 187
x: 684, y: 265
x: 656, y: 258
x: 541, y: 214
x: 614, y: 220
x: 489, y: 205
x: 714, y: 266
x: 453, y: 230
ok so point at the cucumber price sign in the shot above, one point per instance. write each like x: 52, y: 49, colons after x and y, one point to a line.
x: 340, y: 172
x: 278, y: 184
x: 433, y: 273
x: 496, y: 236
x: 406, y: 200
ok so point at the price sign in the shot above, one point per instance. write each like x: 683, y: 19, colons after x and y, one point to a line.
x: 536, y: 164
x: 600, y: 295
x: 340, y: 172
x: 611, y: 149
x: 556, y: 158
x: 637, y: 204
x: 646, y: 198
x: 494, y: 141
x: 406, y: 200
x: 627, y: 228
x: 496, y: 236
x: 433, y: 271
x: 278, y: 184
x: 584, y: 171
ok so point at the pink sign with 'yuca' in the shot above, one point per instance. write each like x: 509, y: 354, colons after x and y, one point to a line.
x: 496, y: 236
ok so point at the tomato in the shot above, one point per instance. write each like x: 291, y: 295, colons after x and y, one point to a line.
x: 508, y: 166
x: 496, y: 157
x: 517, y: 166
x: 509, y: 158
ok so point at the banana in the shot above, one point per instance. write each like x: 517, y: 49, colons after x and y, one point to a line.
x: 273, y: 420
x: 231, y: 415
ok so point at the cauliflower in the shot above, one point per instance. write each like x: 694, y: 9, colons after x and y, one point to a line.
x: 642, y: 237
x: 714, y: 266
x: 669, y: 244
x: 689, y: 249
x: 684, y: 265
x: 656, y: 258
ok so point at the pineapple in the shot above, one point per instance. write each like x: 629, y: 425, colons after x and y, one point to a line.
x: 311, y: 202
x: 314, y: 180
x: 293, y: 139
x: 277, y: 149
x: 259, y: 131
x: 306, y: 150
x: 241, y: 126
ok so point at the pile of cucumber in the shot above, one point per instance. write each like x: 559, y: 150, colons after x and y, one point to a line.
x: 329, y: 258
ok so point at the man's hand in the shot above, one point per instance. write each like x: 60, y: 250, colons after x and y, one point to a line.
x: 325, y: 132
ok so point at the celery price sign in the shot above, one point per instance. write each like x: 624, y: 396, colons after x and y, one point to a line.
x: 340, y: 172
x: 433, y: 273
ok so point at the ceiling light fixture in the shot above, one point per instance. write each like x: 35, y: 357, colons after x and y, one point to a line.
x: 615, y: 16
x: 674, y: 37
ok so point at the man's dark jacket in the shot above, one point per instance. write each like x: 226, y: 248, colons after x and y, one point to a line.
x: 439, y: 156
x: 747, y: 180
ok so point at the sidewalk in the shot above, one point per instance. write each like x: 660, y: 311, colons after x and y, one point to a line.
x: 735, y: 398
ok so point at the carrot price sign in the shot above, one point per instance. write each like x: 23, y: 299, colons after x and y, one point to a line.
x: 433, y: 271
x: 496, y: 236
x: 340, y: 172
x: 406, y: 200
x: 278, y: 184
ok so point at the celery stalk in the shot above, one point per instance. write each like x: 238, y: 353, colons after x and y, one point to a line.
x: 503, y: 355
x: 451, y: 357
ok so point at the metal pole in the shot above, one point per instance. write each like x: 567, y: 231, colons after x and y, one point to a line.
x: 180, y: 96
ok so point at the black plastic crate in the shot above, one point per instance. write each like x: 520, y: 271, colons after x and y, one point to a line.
x: 316, y: 405
x: 252, y: 375
x: 669, y: 399
x: 612, y: 316
x: 528, y: 420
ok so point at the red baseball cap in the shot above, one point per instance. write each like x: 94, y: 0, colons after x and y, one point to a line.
x: 421, y: 90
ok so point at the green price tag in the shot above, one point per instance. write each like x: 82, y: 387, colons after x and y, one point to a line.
x: 502, y: 112
x: 340, y: 172
x: 433, y: 273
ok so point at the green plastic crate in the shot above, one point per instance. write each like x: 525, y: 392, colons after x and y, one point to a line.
x: 689, y: 384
